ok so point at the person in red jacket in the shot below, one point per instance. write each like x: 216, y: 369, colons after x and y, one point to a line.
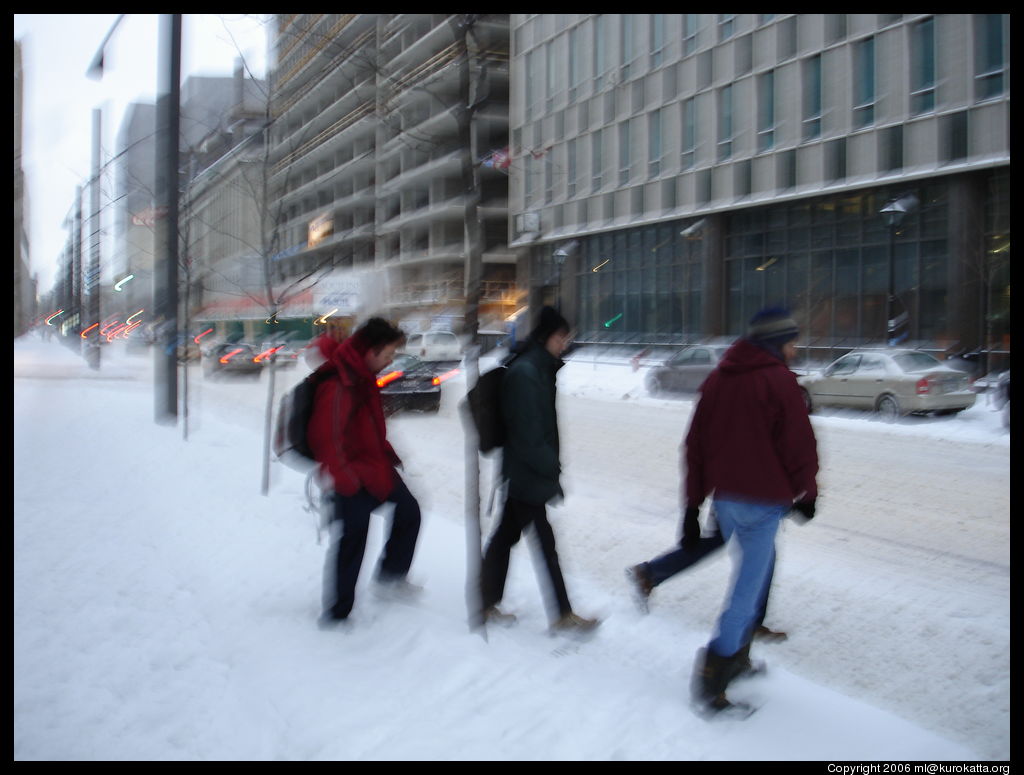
x: 750, y: 445
x: 348, y: 437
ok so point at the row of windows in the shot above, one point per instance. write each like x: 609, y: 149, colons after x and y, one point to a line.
x: 990, y: 74
x: 827, y: 259
x: 608, y: 158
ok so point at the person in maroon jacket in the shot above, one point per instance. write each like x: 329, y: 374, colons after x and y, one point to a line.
x: 750, y: 445
x: 348, y: 436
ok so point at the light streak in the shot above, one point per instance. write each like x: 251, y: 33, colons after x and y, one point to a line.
x: 119, y: 283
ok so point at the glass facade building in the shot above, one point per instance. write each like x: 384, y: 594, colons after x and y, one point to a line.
x: 754, y: 155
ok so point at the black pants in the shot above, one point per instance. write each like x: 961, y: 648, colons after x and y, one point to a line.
x: 346, y: 558
x: 677, y: 560
x: 515, y: 518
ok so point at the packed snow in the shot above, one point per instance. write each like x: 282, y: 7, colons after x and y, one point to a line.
x: 164, y: 609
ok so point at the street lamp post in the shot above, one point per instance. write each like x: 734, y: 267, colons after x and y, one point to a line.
x: 893, y: 214
x: 165, y: 285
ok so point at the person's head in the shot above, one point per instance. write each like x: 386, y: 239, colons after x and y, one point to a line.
x: 376, y: 340
x: 552, y: 332
x: 774, y: 329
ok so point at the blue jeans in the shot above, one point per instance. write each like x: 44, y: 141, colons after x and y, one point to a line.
x: 754, y: 525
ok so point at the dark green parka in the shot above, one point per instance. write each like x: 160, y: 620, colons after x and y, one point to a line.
x: 530, y: 460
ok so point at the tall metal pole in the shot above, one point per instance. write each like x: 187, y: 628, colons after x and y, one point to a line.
x: 469, y: 98
x: 890, y: 324
x: 165, y: 275
x: 93, y: 285
x: 75, y: 315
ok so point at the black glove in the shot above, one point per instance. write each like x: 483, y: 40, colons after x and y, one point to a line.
x: 691, y: 528
x: 805, y: 509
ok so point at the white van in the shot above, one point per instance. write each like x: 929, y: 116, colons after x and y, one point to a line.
x: 434, y: 346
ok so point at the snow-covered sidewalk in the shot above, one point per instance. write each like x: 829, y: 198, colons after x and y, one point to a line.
x: 165, y: 610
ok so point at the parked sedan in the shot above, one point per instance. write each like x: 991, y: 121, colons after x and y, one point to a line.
x: 892, y: 382
x: 685, y: 371
x: 232, y: 358
x: 410, y: 384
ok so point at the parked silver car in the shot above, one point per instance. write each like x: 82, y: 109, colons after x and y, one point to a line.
x: 685, y: 371
x: 892, y: 382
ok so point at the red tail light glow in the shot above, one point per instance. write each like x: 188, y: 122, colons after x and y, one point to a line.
x: 445, y: 377
x: 388, y: 378
x: 267, y: 353
x: 924, y: 386
x: 230, y: 355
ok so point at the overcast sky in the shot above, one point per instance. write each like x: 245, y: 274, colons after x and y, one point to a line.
x: 59, y: 99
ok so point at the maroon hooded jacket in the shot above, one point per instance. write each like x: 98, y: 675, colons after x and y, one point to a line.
x: 750, y: 437
x: 347, y: 432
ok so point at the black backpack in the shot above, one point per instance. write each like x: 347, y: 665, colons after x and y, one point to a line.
x: 483, y: 407
x: 291, y: 439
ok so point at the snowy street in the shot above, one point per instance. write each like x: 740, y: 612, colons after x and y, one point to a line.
x: 165, y: 610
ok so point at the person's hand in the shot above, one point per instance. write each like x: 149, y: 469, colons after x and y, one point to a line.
x: 691, y: 528
x: 805, y: 509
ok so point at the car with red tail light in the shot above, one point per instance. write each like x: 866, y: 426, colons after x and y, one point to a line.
x: 891, y: 382
x: 233, y: 358
x: 409, y: 384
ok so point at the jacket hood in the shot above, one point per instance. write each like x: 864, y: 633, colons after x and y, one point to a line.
x: 745, y: 356
x: 326, y: 345
x: 345, y: 355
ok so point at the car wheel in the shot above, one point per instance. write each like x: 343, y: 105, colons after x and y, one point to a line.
x: 653, y: 385
x: 807, y: 400
x: 888, y: 408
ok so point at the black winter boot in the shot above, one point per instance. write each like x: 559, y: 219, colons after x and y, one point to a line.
x: 744, y: 667
x: 712, y: 675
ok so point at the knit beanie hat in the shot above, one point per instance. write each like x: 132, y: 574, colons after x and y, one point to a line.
x: 772, y: 326
x: 550, y: 322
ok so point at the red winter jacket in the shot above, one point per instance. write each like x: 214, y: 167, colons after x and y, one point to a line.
x: 347, y: 431
x: 750, y: 436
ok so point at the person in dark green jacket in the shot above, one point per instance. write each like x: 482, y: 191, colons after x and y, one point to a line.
x: 531, y: 468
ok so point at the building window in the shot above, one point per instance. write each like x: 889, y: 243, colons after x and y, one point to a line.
x: 596, y: 160
x: 786, y: 170
x: 531, y: 83
x: 570, y: 177
x: 725, y: 123
x: 835, y: 160
x: 955, y: 136
x: 787, y: 38
x: 654, y: 150
x: 689, y: 33
x: 835, y: 27
x: 551, y: 75
x: 575, y: 68
x: 922, y: 67
x: 627, y: 48
x: 703, y: 186
x: 726, y: 25
x: 890, y: 152
x: 549, y: 180
x: 689, y: 125
x: 989, y: 55
x: 864, y: 83
x: 812, y: 98
x: 657, y: 39
x: 766, y: 111
x: 625, y: 152
x: 744, y: 53
x: 744, y: 179
x: 600, y: 50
